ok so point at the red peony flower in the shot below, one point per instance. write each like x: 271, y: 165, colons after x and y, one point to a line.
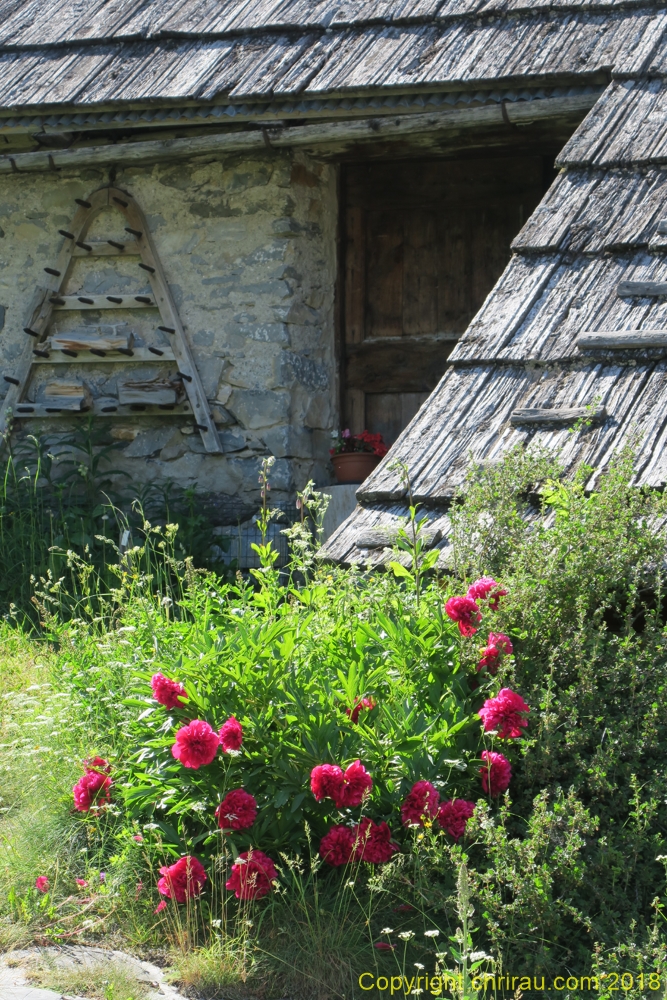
x: 237, y: 811
x: 82, y: 882
x: 353, y: 713
x: 421, y: 803
x: 42, y: 883
x: 167, y: 692
x: 487, y: 587
x: 356, y: 785
x: 337, y: 846
x: 185, y: 878
x: 384, y: 946
x: 497, y: 647
x: 453, y: 816
x: 91, y: 791
x: 504, y: 714
x: 252, y: 875
x: 97, y: 764
x: 160, y: 906
x: 196, y: 744
x: 373, y: 842
x: 465, y: 612
x: 231, y: 735
x: 326, y: 781
x: 496, y: 772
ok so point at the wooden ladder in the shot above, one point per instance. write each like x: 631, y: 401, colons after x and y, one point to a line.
x: 49, y: 298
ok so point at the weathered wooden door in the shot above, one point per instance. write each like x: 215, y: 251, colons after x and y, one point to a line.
x: 424, y: 244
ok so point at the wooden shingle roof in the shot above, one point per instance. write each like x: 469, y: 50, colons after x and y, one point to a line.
x: 131, y: 52
x: 591, y: 259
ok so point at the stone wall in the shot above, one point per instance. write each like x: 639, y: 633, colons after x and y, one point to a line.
x: 249, y: 250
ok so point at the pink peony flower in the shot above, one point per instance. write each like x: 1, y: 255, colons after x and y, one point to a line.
x: 353, y: 713
x: 98, y: 764
x: 42, y: 883
x: 168, y: 693
x: 196, y: 744
x: 337, y: 846
x: 139, y: 839
x: 252, y: 875
x: 91, y: 791
x: 237, y: 811
x: 185, y: 878
x: 497, y: 647
x: 453, y: 816
x: 465, y: 612
x: 160, y: 906
x: 504, y: 714
x: 356, y: 786
x: 373, y: 842
x: 82, y: 882
x: 231, y: 735
x: 496, y: 772
x: 420, y: 803
x: 326, y: 781
x: 487, y: 587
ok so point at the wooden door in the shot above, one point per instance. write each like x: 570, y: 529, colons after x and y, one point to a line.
x: 425, y: 242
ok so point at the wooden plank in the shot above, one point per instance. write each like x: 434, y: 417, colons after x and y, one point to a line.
x: 354, y: 416
x: 384, y: 272
x: 355, y: 275
x: 622, y: 339
x: 103, y: 248
x: 103, y: 408
x: 397, y: 364
x: 82, y: 342
x: 139, y: 354
x: 560, y: 415
x: 156, y: 391
x: 83, y: 301
x: 641, y: 288
x: 661, y: 228
x: 338, y: 136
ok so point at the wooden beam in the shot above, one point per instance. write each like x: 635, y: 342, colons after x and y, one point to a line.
x: 559, y: 416
x: 103, y: 248
x: 141, y: 354
x: 641, y: 288
x: 101, y: 408
x: 337, y: 136
x: 622, y: 339
x: 83, y: 301
x: 397, y: 364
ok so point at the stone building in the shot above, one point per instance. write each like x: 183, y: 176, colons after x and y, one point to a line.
x: 231, y: 228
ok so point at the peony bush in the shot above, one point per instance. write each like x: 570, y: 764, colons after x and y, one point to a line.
x: 270, y: 735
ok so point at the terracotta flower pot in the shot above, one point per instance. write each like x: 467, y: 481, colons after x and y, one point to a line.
x: 354, y: 466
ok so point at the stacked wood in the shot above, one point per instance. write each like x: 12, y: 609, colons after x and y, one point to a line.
x: 72, y: 396
x: 156, y: 391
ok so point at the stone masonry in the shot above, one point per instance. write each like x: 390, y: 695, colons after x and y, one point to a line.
x: 249, y: 249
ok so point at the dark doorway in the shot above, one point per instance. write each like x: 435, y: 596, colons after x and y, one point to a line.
x: 424, y: 243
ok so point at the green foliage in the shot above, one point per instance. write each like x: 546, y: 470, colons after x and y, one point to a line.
x: 566, y: 872
x: 289, y: 678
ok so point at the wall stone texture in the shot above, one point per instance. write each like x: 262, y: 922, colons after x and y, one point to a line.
x: 249, y: 249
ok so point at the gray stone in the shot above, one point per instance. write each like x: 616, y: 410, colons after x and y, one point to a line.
x: 318, y: 413
x: 176, y: 446
x: 288, y: 442
x: 254, y: 408
x: 311, y: 374
x: 149, y: 442
x: 232, y: 441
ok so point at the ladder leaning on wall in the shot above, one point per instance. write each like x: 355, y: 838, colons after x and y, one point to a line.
x: 160, y: 397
